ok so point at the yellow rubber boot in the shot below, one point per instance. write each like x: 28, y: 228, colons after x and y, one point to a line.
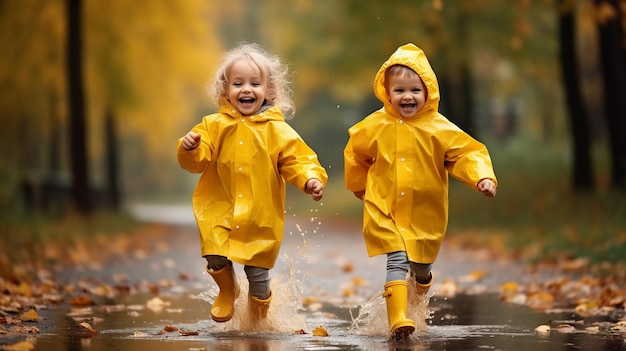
x: 396, y: 297
x: 224, y: 306
x: 259, y: 307
x: 422, y: 289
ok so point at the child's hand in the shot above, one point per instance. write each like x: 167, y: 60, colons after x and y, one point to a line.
x: 191, y: 141
x: 315, y: 188
x: 360, y: 194
x: 487, y: 187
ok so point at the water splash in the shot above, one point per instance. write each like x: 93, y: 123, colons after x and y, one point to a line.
x: 283, y: 314
x: 372, y: 318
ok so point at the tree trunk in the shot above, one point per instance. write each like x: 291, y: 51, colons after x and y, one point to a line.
x: 113, y: 188
x: 613, y: 61
x: 78, y: 146
x: 581, y: 141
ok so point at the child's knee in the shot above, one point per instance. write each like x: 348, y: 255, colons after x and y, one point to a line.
x: 216, y: 262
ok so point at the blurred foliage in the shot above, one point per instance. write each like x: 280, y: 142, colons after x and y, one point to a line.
x: 147, y: 63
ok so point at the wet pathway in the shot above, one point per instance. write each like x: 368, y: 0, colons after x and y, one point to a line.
x: 323, y: 278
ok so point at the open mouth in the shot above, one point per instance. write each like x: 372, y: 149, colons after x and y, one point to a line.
x: 247, y: 101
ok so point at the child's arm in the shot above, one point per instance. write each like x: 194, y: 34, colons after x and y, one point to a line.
x: 487, y: 187
x: 314, y: 187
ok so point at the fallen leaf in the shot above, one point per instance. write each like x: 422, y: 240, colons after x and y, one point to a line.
x: 565, y: 329
x: 81, y: 301
x: 88, y: 326
x: 29, y: 316
x: 170, y: 328
x: 20, y: 346
x: 358, y: 282
x: 301, y: 332
x: 540, y: 301
x: 156, y: 304
x: 543, y: 329
x: 188, y: 332
x: 348, y: 267
x: 509, y: 287
x: 320, y: 331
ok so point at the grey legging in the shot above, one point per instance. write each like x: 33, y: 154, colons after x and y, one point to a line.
x: 398, y: 266
x: 258, y: 277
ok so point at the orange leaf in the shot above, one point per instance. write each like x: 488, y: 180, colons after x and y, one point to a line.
x: 20, y: 346
x: 320, y: 331
x: 81, y: 301
x: 29, y: 316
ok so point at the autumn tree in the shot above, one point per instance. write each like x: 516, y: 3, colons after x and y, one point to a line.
x: 611, y: 19
x: 78, y: 146
x: 568, y: 58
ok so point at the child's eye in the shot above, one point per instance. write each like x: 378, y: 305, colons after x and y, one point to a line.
x: 237, y: 84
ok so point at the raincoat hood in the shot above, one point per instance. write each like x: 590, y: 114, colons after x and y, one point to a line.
x: 413, y: 57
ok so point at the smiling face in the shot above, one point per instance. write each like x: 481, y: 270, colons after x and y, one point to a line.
x: 407, y: 92
x: 246, y: 87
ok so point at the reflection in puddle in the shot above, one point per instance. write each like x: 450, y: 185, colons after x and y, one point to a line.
x: 465, y: 322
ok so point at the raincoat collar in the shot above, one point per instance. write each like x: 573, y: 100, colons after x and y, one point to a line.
x: 412, y: 56
x: 266, y: 113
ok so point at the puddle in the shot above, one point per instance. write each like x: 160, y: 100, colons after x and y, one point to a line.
x: 465, y: 322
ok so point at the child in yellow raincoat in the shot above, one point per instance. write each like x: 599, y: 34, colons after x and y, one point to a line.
x: 245, y: 154
x: 397, y: 161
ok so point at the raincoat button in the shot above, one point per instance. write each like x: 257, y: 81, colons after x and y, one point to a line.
x: 402, y: 230
x: 240, y: 169
x: 241, y: 142
x: 402, y: 159
x: 236, y: 227
x: 240, y: 196
x: 400, y: 121
x: 234, y: 111
x: 402, y: 193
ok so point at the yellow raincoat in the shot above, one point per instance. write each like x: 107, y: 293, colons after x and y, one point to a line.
x: 239, y: 200
x: 403, y: 165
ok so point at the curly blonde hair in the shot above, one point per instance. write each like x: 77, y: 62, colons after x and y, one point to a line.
x: 272, y: 68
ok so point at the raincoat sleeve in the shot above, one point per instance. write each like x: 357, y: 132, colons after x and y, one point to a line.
x: 467, y: 159
x: 298, y: 162
x: 355, y: 168
x: 196, y: 160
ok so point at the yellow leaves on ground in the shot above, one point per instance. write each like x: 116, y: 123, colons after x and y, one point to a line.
x: 171, y: 329
x: 588, y: 296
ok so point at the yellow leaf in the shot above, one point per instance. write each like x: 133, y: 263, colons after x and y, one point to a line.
x: 29, y: 316
x: 24, y: 289
x: 358, y: 281
x: 348, y: 292
x: 320, y: 331
x: 509, y: 287
x: 543, y: 329
x: 20, y: 346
